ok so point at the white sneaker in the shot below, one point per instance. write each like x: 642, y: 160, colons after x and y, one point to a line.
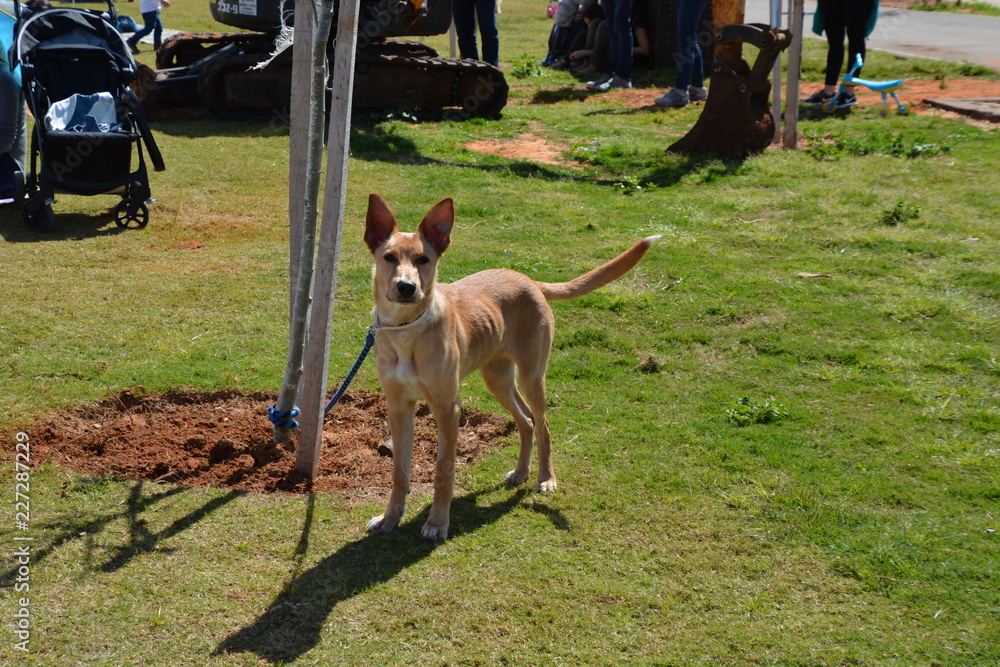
x: 696, y: 94
x: 592, y: 85
x: 674, y: 99
x: 613, y: 82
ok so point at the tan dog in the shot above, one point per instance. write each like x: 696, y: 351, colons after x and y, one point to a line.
x: 431, y: 335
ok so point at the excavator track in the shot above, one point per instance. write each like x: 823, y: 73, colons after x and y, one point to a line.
x: 187, y: 48
x: 388, y: 74
x: 385, y: 80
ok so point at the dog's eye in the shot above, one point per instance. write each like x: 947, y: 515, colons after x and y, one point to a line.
x: 423, y: 259
x: 389, y: 257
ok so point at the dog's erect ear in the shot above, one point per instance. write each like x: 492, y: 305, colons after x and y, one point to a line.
x: 380, y: 223
x: 436, y: 225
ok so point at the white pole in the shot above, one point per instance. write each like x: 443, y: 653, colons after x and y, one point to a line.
x: 791, y: 135
x: 776, y: 76
x: 317, y: 352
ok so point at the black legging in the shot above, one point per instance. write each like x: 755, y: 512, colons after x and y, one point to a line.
x: 840, y: 17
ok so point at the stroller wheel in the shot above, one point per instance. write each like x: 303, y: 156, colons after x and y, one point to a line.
x: 38, y: 216
x: 128, y: 214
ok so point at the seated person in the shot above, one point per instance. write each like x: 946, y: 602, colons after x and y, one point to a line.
x: 567, y: 23
x: 593, y: 56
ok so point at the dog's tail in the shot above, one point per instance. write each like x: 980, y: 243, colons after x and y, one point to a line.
x: 600, y: 276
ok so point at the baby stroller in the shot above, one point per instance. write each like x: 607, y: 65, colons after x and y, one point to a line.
x: 75, y: 71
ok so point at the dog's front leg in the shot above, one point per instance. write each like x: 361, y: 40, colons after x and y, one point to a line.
x: 401, y: 414
x: 447, y: 417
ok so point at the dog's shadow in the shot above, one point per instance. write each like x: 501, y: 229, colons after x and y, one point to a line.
x: 294, y: 620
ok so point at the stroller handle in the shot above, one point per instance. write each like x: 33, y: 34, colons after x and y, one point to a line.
x: 111, y: 15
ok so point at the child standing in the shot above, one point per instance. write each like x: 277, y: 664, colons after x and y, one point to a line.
x: 150, y: 10
x: 855, y: 19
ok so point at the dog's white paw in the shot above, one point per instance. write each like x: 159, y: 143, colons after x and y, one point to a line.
x: 514, y: 478
x: 434, y: 533
x: 548, y: 486
x: 380, y: 524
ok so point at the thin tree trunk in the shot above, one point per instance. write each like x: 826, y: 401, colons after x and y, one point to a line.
x: 314, y: 168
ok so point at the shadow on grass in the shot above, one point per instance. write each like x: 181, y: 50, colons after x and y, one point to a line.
x: 141, y: 540
x: 378, y: 143
x: 197, y: 123
x: 68, y: 226
x: 194, y: 122
x: 702, y: 167
x: 293, y: 622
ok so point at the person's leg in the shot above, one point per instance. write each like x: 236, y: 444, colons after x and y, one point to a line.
x: 592, y: 34
x: 698, y: 67
x: 579, y: 42
x: 149, y: 21
x: 551, y: 57
x: 569, y: 37
x: 856, y: 19
x: 486, y: 13
x: 688, y: 57
x: 463, y: 13
x: 609, y: 14
x: 621, y: 28
x: 157, y: 31
x: 602, y: 39
x: 834, y: 24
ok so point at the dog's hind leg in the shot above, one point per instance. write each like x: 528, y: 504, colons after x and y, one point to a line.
x: 499, y: 377
x: 533, y: 386
x: 401, y: 428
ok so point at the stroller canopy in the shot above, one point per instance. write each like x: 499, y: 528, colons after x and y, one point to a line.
x: 72, y: 28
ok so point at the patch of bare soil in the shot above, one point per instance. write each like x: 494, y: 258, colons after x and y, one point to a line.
x: 224, y: 439
x: 525, y: 147
x: 530, y: 146
x: 913, y: 91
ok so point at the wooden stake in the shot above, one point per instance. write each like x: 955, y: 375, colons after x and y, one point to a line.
x: 317, y: 352
x: 791, y: 136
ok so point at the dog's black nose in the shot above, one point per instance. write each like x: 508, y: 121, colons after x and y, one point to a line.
x: 406, y: 288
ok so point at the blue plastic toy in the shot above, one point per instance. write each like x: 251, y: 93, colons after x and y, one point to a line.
x: 885, y: 87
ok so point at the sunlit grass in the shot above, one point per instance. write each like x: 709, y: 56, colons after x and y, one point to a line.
x: 856, y: 527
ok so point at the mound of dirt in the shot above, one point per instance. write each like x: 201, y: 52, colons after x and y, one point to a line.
x: 224, y: 439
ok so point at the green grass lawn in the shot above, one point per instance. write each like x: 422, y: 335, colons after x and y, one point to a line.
x: 777, y: 440
x: 983, y: 8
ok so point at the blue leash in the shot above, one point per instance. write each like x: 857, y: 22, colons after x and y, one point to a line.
x: 339, y: 394
x: 286, y: 419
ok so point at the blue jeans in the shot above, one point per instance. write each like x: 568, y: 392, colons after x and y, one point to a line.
x: 153, y: 25
x: 464, y: 13
x: 690, y: 66
x: 618, y: 14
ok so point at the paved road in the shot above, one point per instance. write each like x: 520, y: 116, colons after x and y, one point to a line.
x: 940, y: 35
